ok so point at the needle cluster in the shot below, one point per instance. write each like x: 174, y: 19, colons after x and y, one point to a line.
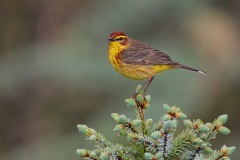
x: 157, y: 141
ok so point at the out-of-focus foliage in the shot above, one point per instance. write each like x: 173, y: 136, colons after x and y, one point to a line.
x: 54, y: 71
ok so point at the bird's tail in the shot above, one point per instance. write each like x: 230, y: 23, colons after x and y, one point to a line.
x: 191, y: 69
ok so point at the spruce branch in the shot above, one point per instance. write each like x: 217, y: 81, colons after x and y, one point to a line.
x: 157, y: 141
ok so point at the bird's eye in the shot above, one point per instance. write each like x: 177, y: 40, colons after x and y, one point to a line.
x: 120, y: 39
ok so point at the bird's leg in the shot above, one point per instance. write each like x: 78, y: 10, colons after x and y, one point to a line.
x: 144, y: 86
x: 147, y: 83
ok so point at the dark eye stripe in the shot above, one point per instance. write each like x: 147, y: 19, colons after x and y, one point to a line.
x: 119, y: 39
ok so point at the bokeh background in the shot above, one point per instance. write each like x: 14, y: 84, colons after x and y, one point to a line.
x: 55, y: 73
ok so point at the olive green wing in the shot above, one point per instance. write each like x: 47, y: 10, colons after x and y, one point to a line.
x: 141, y: 54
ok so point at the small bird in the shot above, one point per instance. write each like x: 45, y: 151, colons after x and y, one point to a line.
x: 136, y: 60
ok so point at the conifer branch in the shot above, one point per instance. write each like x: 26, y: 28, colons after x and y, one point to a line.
x: 157, y: 141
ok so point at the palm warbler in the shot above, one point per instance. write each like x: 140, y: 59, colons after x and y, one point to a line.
x: 136, y: 60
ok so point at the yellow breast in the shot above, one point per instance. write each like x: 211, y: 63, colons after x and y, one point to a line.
x: 132, y: 71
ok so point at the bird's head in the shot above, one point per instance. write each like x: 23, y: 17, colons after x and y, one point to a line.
x: 118, y: 39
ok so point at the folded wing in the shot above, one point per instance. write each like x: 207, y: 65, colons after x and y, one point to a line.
x: 141, y: 54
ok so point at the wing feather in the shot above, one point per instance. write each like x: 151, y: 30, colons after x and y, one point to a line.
x: 141, y: 54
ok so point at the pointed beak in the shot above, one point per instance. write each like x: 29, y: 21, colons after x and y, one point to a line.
x: 111, y: 40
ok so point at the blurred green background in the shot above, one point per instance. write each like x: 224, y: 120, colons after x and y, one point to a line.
x: 55, y: 73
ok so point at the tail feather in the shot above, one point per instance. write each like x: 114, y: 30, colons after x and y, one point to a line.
x: 191, y: 69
